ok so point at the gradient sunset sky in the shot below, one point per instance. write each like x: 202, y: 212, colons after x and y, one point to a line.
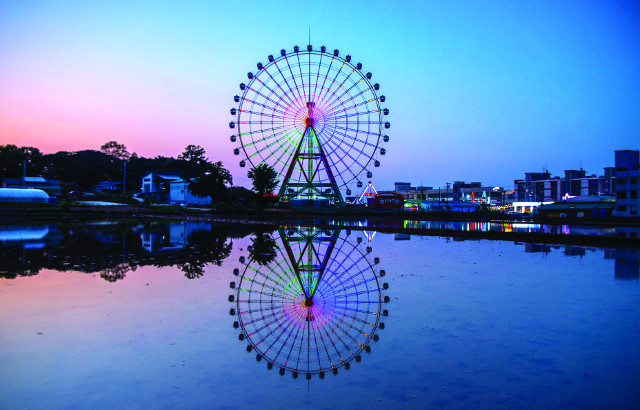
x: 480, y: 91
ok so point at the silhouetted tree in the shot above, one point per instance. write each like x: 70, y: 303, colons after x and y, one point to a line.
x: 213, y: 182
x: 194, y: 154
x: 113, y: 149
x: 263, y: 178
x: 12, y: 158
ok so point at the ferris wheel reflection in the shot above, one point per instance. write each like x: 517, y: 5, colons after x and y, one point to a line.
x: 313, y: 305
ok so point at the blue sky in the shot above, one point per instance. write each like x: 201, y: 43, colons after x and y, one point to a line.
x: 481, y: 91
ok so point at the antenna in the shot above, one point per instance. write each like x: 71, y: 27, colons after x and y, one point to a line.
x: 309, y: 35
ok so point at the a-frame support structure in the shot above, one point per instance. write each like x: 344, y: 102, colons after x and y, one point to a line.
x: 317, y: 179
x: 313, y: 248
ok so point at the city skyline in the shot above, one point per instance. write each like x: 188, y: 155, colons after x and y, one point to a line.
x: 487, y: 92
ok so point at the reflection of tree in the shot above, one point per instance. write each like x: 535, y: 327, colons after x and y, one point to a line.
x: 263, y: 249
x: 204, y: 247
x: 117, y: 272
x: 114, y: 249
x: 192, y: 270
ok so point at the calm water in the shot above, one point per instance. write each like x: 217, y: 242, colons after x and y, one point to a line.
x: 133, y: 315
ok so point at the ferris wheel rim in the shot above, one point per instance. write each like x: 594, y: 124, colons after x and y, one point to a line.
x: 341, y: 155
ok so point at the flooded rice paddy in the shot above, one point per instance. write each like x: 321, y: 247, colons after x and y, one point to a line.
x: 187, y: 314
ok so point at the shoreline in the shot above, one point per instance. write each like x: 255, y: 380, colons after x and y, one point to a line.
x: 389, y: 223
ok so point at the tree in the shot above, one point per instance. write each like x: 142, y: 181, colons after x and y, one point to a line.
x: 193, y: 154
x: 264, y: 181
x: 12, y: 158
x: 212, y: 182
x: 116, y: 150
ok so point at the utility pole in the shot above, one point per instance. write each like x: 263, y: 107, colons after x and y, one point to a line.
x: 447, y: 197
x: 124, y: 177
x: 24, y: 172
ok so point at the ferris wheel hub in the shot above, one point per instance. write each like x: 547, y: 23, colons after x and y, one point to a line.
x: 309, y: 122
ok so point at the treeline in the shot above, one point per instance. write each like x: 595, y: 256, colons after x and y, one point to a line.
x: 80, y: 170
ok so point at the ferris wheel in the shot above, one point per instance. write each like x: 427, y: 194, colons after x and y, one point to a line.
x: 315, y: 308
x: 316, y: 118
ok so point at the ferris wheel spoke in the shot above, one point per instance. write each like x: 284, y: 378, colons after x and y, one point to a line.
x: 295, y: 83
x: 351, y: 95
x: 354, y: 106
x: 261, y: 114
x: 267, y: 99
x: 304, y: 89
x: 273, y: 92
x: 337, y: 99
x: 292, y: 93
x: 279, y: 159
x: 333, y: 81
x: 347, y: 168
x: 354, y: 138
x: 315, y: 88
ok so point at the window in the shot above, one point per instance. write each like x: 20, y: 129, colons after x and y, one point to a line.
x: 633, y: 181
x: 621, y: 208
x: 621, y: 181
x: 633, y: 194
x: 633, y: 210
x: 621, y: 195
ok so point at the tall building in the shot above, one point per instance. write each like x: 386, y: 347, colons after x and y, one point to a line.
x: 627, y: 172
x: 571, y: 184
x: 403, y: 186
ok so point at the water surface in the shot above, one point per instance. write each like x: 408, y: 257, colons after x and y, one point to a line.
x: 138, y: 314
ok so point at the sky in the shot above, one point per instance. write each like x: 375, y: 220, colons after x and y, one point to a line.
x: 477, y: 91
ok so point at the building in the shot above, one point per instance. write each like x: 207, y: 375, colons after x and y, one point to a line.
x: 107, y: 186
x: 453, y: 206
x: 579, y: 207
x: 403, y: 186
x: 388, y: 200
x: 179, y: 194
x: 626, y: 184
x: 542, y: 187
x: 51, y: 187
x: 429, y: 198
x: 23, y: 195
x: 156, y: 185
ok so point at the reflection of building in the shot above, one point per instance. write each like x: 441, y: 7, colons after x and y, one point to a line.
x: 23, y: 233
x: 536, y: 248
x: 171, y: 236
x: 626, y: 260
x: 627, y: 263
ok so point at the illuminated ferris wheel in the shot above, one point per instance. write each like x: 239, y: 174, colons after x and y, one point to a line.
x: 316, y: 118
